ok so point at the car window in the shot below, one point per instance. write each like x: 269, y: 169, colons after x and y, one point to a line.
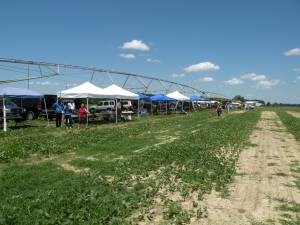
x: 100, y: 103
x: 112, y: 103
x: 105, y: 103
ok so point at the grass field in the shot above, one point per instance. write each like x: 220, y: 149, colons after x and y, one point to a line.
x: 117, y: 174
x: 293, y: 126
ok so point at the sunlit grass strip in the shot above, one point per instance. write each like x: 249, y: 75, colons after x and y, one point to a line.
x: 292, y: 123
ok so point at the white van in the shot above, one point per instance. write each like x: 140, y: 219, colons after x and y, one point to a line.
x: 108, y: 105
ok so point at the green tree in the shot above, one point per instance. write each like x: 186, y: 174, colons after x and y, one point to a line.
x: 239, y: 98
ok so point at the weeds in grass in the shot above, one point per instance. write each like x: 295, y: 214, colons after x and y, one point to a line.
x: 281, y: 174
x: 46, y: 194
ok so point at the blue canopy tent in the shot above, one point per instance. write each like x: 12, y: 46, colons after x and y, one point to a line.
x: 143, y: 97
x: 9, y: 92
x: 162, y: 98
x: 197, y: 98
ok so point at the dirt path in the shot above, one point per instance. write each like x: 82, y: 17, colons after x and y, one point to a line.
x: 264, y: 178
x: 294, y: 114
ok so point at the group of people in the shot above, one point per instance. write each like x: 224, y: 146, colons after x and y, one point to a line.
x: 66, y: 110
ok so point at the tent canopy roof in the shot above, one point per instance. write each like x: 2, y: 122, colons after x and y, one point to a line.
x: 198, y: 98
x: 161, y: 98
x: 178, y: 96
x: 119, y: 92
x: 143, y: 97
x: 19, y: 92
x: 85, y: 90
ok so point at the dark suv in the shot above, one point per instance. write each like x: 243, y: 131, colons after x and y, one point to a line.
x: 13, y: 112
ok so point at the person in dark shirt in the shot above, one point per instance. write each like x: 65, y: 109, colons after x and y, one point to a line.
x: 219, y: 110
x: 58, y: 112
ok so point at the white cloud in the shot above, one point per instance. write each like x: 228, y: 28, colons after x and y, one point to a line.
x: 202, y: 66
x: 298, y: 78
x: 234, y: 81
x: 296, y: 69
x: 136, y: 45
x: 127, y: 56
x: 267, y: 84
x: 150, y: 60
x: 292, y: 52
x: 254, y: 77
x: 206, y: 79
x: 176, y: 75
x: 44, y: 83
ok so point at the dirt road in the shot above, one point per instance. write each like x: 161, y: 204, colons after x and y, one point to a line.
x: 264, y: 179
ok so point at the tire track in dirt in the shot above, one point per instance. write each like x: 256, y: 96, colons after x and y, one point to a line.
x: 263, y: 178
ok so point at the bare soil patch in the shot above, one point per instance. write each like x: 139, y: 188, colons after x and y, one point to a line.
x: 294, y: 114
x: 237, y: 111
x: 258, y: 190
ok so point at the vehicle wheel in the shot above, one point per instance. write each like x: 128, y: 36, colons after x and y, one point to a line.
x: 30, y: 116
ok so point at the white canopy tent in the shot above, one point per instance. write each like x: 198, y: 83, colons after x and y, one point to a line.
x: 120, y: 93
x: 178, y: 96
x: 86, y: 90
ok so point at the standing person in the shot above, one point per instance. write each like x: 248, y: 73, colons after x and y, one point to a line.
x: 82, y: 114
x: 68, y: 114
x: 58, y: 112
x: 219, y: 110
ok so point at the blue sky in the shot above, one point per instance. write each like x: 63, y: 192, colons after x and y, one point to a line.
x: 232, y: 47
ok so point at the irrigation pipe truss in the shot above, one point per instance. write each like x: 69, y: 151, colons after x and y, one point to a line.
x: 53, y: 69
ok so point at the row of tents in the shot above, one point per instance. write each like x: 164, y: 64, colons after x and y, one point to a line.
x: 88, y: 90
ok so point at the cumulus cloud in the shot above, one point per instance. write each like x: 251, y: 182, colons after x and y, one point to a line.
x: 151, y: 60
x: 259, y: 80
x: 292, y: 52
x: 206, y: 79
x: 298, y: 78
x: 267, y: 84
x: 234, y: 81
x: 176, y: 75
x: 136, y: 45
x: 127, y: 56
x: 202, y: 66
x: 296, y: 69
x: 44, y: 83
x: 254, y: 77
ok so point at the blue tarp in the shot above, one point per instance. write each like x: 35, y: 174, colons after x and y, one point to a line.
x: 161, y: 98
x: 19, y: 92
x: 197, y: 98
x: 143, y: 97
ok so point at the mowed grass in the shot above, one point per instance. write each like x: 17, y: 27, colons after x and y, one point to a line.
x: 111, y: 174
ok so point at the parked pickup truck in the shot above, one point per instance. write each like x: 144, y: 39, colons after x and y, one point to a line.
x: 13, y: 112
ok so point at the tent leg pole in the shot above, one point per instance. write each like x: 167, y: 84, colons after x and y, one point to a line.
x: 87, y: 115
x: 138, y: 108
x: 166, y: 108
x: 116, y: 110
x: 4, y: 116
x: 45, y: 104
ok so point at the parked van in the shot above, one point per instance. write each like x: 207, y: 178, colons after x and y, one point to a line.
x: 108, y: 105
